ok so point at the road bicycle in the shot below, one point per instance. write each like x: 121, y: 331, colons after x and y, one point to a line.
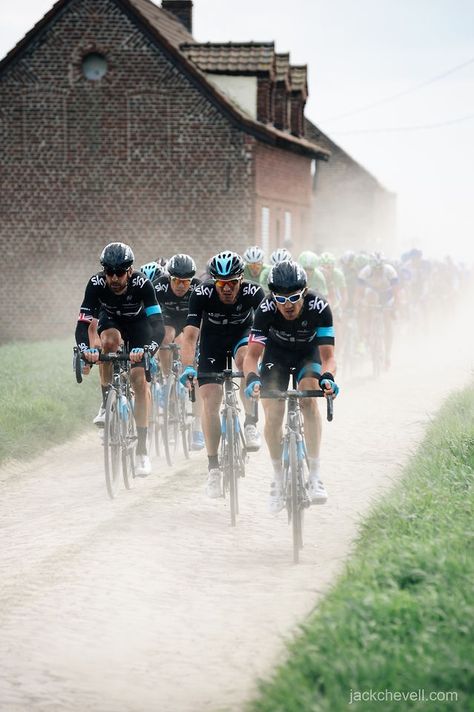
x: 233, y: 452
x: 177, y: 417
x: 156, y: 410
x: 377, y: 338
x: 295, y: 458
x: 120, y: 433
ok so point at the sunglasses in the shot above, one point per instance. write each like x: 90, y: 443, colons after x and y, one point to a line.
x: 293, y: 298
x: 179, y: 280
x: 223, y: 282
x: 118, y: 271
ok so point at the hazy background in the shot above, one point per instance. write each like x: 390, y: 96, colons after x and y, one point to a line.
x: 361, y: 52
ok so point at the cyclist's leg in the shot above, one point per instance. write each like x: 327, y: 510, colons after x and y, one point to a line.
x: 166, y: 356
x: 212, y: 356
x: 274, y: 375
x: 138, y: 334
x: 197, y: 434
x: 252, y: 436
x: 308, y: 369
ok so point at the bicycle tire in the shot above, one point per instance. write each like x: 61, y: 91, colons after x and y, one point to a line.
x: 155, y: 422
x: 170, y: 420
x: 129, y: 441
x: 184, y: 424
x: 231, y: 464
x: 296, y: 509
x: 112, y: 445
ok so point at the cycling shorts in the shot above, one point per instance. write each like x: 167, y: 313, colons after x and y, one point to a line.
x: 178, y: 323
x: 277, y: 365
x: 135, y: 334
x: 213, y: 348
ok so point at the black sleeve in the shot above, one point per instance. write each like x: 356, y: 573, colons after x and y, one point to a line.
x: 89, y: 310
x: 324, y: 329
x: 262, y: 321
x: 259, y: 296
x: 153, y: 313
x: 196, y: 307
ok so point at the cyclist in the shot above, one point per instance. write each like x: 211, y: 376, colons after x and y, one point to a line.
x: 292, y: 329
x: 173, y: 292
x: 277, y: 256
x: 124, y: 302
x: 378, y: 282
x: 309, y: 261
x: 221, y: 312
x: 153, y: 270
x: 254, y: 265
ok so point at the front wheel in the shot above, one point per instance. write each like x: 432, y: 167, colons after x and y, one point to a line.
x: 129, y: 442
x: 112, y: 444
x: 170, y: 420
x: 296, y: 505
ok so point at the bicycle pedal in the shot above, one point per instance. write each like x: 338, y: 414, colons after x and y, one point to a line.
x: 249, y: 448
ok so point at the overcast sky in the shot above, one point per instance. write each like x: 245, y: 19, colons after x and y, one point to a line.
x: 359, y: 53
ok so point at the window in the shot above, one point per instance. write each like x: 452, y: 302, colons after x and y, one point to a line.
x: 287, y: 238
x: 266, y: 230
x: 94, y: 66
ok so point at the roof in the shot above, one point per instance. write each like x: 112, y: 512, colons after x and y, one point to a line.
x: 299, y: 78
x: 169, y: 34
x: 232, y: 57
x: 164, y: 21
x: 282, y: 66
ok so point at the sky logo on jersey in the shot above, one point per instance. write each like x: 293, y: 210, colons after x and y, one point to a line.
x: 251, y: 289
x: 205, y: 291
x: 318, y: 303
x: 98, y: 281
x: 138, y: 281
x: 268, y: 305
x: 161, y: 287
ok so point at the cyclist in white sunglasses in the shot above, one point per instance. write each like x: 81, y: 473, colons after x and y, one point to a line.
x: 292, y: 329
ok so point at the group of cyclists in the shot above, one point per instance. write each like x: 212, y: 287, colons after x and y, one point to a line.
x: 274, y: 318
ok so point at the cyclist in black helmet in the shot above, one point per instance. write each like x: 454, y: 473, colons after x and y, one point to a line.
x: 124, y: 302
x: 220, y: 311
x: 173, y: 292
x: 292, y: 328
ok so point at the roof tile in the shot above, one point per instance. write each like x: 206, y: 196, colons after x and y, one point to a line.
x: 232, y: 57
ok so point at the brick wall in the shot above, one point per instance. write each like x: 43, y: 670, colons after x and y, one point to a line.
x: 283, y: 184
x: 140, y: 156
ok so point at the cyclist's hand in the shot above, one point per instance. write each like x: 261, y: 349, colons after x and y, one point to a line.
x: 328, y: 384
x: 91, y: 355
x: 253, y: 389
x: 189, y: 372
x: 136, y: 355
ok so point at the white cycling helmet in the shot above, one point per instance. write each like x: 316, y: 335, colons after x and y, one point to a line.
x: 253, y: 254
x: 280, y: 255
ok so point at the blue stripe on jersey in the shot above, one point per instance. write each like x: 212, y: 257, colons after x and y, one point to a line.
x: 325, y: 331
x: 155, y: 309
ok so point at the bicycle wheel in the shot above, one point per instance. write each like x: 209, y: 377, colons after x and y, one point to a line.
x: 232, y: 440
x: 296, y: 505
x: 155, y: 420
x: 112, y: 444
x: 170, y: 420
x: 128, y: 445
x: 184, y: 423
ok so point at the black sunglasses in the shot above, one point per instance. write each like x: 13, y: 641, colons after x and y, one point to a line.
x: 119, y: 271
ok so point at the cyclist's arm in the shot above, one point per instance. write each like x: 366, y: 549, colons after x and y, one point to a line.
x: 188, y: 345
x: 328, y: 361
x: 153, y: 314
x: 252, y: 357
x: 88, y: 311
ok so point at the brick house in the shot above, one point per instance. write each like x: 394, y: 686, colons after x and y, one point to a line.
x: 116, y: 125
x: 351, y: 210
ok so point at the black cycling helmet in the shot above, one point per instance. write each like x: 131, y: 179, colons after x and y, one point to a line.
x: 226, y: 265
x: 117, y: 255
x: 287, y: 277
x: 181, y: 266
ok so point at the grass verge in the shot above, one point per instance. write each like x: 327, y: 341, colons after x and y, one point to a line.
x: 400, y: 619
x: 42, y: 404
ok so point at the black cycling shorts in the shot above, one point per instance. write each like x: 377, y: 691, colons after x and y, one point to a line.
x: 135, y: 334
x: 213, y: 348
x: 177, y: 323
x: 277, y: 364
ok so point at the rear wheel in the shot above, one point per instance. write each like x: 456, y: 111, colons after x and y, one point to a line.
x: 232, y: 463
x: 156, y: 417
x: 170, y: 420
x: 112, y: 444
x: 296, y: 481
x: 184, y: 422
x: 129, y: 442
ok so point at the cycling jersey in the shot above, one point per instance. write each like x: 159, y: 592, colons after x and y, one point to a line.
x: 313, y: 326
x: 292, y: 343
x: 175, y: 309
x: 138, y: 302
x: 380, y: 279
x: 205, y: 306
x: 249, y: 277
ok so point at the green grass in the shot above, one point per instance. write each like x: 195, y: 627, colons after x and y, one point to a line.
x: 42, y: 404
x: 401, y: 616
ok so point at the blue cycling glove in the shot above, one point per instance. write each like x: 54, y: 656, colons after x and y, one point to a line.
x: 188, y: 371
x: 249, y: 389
x: 328, y: 379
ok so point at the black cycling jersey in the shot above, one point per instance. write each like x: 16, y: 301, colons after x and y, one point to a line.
x: 175, y: 309
x: 313, y: 326
x: 136, y: 303
x: 206, y: 306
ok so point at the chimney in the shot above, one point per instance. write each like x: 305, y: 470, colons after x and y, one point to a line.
x: 182, y: 10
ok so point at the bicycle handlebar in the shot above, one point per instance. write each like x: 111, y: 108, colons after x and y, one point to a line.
x: 121, y: 356
x: 221, y: 375
x: 302, y: 394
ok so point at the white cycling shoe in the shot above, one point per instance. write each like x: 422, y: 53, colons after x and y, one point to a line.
x: 213, y: 484
x: 276, y: 500
x: 99, y: 419
x: 142, y: 466
x: 316, y: 491
x: 252, y: 437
